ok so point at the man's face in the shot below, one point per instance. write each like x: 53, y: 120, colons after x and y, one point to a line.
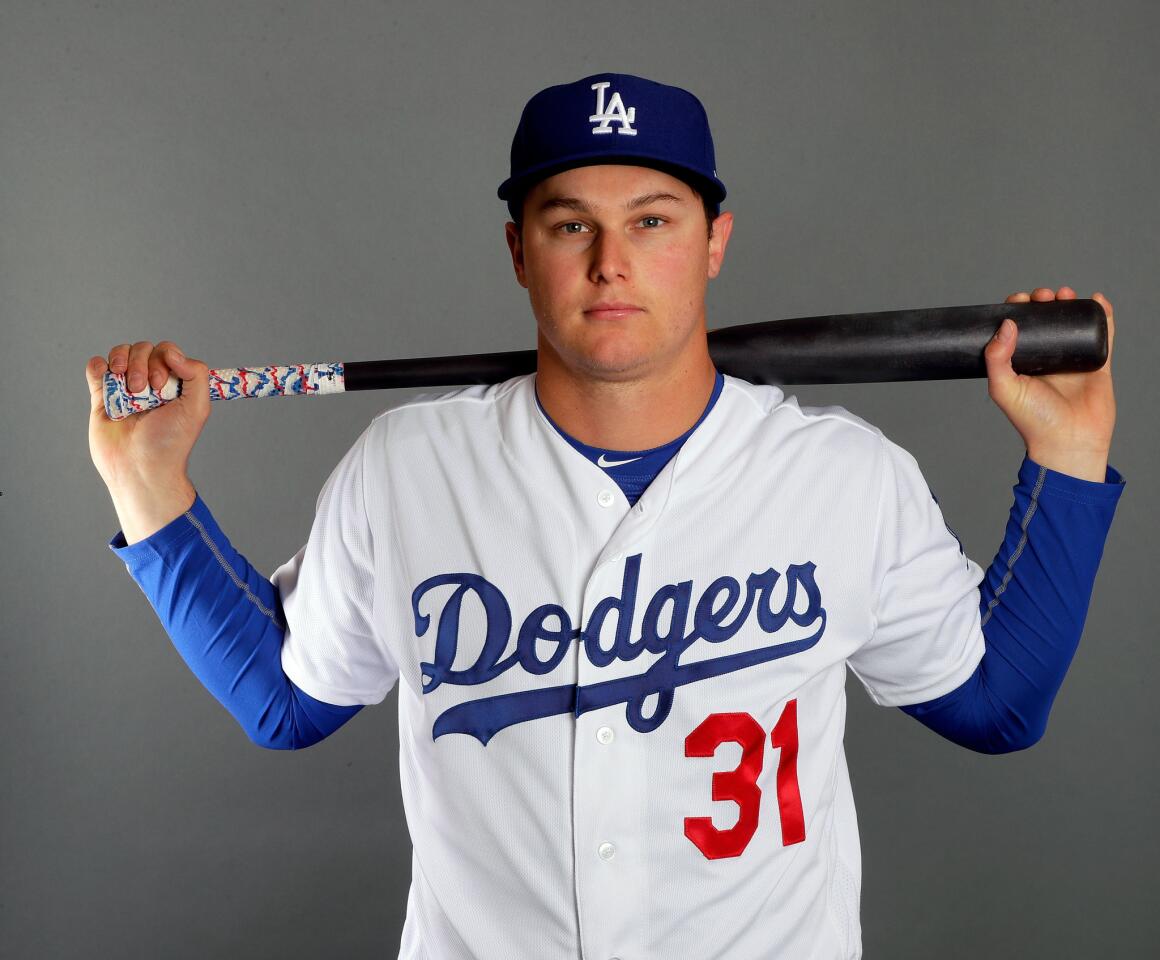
x: 616, y: 260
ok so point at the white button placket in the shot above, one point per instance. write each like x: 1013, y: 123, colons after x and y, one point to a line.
x: 608, y: 785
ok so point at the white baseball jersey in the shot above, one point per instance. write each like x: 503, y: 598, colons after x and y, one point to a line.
x: 621, y: 728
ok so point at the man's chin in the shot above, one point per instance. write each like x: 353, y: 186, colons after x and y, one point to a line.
x: 610, y: 365
x: 610, y: 359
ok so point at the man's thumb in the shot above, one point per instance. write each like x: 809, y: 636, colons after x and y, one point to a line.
x: 95, y: 377
x: 1002, y: 380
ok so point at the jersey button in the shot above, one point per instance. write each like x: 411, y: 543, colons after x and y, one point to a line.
x: 606, y: 850
x: 605, y: 498
x: 605, y: 735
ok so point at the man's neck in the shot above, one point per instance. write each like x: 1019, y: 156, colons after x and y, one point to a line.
x: 633, y: 414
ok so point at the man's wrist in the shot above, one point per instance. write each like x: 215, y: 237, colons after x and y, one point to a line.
x: 144, y: 511
x: 1084, y: 465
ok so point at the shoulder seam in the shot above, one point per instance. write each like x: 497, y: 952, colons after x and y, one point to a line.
x: 454, y: 398
x: 796, y: 408
x: 731, y: 384
x: 873, y: 431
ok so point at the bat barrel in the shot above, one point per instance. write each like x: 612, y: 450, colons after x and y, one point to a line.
x: 938, y: 343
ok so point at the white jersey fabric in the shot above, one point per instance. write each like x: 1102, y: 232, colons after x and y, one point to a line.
x: 599, y: 705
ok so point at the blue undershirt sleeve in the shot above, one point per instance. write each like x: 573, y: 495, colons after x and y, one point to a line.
x: 1033, y: 603
x: 225, y: 619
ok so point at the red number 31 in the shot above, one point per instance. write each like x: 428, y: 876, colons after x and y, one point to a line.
x: 740, y: 783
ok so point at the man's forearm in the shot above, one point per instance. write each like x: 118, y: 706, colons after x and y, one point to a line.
x: 225, y: 620
x: 1033, y: 603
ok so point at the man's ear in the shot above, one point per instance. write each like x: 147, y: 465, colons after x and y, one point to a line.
x: 516, y: 247
x: 722, y: 228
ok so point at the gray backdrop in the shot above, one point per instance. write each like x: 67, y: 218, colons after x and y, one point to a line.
x: 298, y: 181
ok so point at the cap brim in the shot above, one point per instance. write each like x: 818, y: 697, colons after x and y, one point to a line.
x: 712, y: 190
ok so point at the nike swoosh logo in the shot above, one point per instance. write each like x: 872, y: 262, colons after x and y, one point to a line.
x: 602, y: 462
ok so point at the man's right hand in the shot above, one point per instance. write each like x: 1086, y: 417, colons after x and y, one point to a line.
x: 143, y: 459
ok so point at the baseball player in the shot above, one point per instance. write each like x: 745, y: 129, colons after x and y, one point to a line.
x: 619, y: 596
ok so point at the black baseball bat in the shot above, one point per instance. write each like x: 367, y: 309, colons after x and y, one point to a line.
x: 931, y: 343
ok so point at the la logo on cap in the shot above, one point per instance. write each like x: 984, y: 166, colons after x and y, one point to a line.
x: 615, y: 112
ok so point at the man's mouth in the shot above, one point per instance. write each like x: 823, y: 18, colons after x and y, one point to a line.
x: 611, y: 310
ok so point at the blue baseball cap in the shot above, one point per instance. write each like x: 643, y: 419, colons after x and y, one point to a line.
x: 613, y: 118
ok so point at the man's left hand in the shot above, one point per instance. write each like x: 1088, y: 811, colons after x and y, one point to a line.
x: 1065, y: 419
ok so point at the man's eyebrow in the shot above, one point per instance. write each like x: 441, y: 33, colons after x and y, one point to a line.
x: 565, y: 203
x: 649, y: 198
x: 582, y: 206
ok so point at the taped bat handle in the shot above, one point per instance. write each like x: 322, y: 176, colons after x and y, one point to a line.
x: 228, y: 383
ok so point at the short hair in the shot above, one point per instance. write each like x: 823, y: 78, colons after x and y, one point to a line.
x: 515, y: 207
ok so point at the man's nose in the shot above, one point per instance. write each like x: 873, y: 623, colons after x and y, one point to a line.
x: 610, y: 258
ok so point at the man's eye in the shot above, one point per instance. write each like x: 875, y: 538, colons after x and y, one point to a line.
x: 651, y: 221
x: 567, y: 227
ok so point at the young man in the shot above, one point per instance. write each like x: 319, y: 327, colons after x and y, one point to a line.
x: 619, y: 596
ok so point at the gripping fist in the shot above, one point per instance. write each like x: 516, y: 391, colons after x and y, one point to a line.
x: 143, y: 459
x: 1065, y: 419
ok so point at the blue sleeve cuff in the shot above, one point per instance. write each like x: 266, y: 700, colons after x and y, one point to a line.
x: 161, y: 542
x: 1073, y: 488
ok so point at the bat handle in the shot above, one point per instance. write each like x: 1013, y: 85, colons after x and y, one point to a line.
x: 121, y: 402
x: 229, y: 383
